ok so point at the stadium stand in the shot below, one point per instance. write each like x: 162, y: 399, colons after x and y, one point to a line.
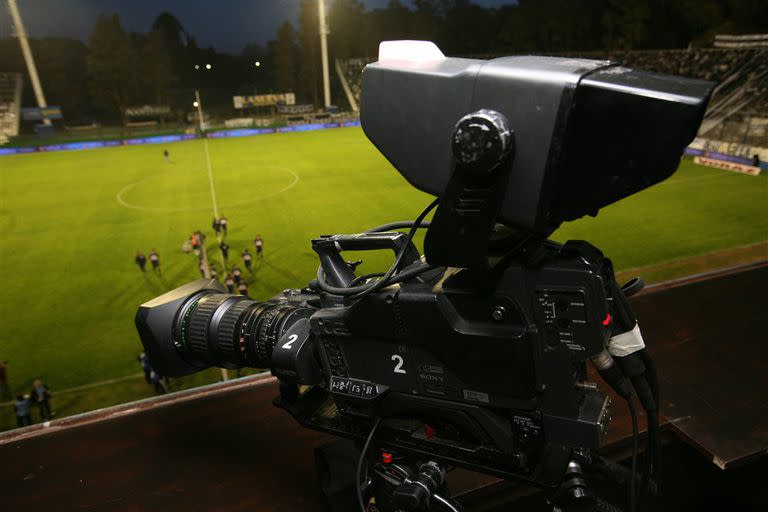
x: 10, y: 103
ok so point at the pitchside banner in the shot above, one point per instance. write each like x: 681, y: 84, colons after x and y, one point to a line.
x: 264, y: 100
x: 727, y: 166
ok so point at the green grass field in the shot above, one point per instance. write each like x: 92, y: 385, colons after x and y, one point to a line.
x: 71, y: 223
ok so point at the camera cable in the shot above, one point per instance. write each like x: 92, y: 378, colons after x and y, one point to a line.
x: 360, y: 462
x: 360, y: 291
x: 633, y: 476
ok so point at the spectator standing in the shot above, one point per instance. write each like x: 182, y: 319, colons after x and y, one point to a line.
x: 141, y: 261
x: 154, y: 258
x: 236, y: 274
x: 230, y: 283
x: 144, y: 362
x: 158, y: 382
x: 224, y: 250
x: 242, y: 288
x: 223, y: 225
x: 214, y: 272
x: 258, y: 242
x: 247, y: 259
x: 5, y: 391
x: 21, y: 407
x: 41, y: 396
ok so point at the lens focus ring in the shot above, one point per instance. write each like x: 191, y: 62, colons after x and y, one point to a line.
x: 228, y: 337
x: 198, y: 324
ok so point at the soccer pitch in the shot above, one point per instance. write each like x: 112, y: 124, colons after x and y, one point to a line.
x: 72, y: 222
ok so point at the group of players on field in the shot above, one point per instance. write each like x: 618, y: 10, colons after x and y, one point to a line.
x: 234, y: 278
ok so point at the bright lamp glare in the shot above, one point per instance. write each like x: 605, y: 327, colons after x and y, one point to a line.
x: 207, y: 66
x: 195, y: 104
x: 257, y: 63
x: 197, y: 66
x: 409, y: 54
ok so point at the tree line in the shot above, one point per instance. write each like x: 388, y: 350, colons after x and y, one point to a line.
x: 114, y: 69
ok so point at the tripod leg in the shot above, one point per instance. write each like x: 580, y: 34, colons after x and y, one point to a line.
x: 336, y: 465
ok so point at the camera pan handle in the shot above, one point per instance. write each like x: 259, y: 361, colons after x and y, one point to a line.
x: 338, y: 273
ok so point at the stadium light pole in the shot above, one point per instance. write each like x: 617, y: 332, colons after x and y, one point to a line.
x: 21, y: 33
x: 324, y: 51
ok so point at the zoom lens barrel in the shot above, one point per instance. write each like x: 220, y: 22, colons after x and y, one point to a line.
x: 231, y: 330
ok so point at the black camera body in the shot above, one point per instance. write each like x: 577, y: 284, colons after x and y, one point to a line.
x: 480, y: 374
x: 475, y: 354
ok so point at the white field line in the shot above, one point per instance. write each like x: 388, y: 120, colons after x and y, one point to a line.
x: 122, y: 202
x: 669, y: 262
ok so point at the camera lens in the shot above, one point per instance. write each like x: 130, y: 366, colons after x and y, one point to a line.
x: 232, y: 330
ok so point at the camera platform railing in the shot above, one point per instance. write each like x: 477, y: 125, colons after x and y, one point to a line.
x: 225, y: 447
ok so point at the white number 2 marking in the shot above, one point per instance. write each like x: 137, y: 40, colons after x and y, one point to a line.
x: 291, y: 339
x: 399, y: 365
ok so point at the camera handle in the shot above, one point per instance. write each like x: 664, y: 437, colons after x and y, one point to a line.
x: 338, y: 272
x: 461, y: 229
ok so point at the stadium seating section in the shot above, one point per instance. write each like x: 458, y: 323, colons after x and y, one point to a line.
x: 10, y: 99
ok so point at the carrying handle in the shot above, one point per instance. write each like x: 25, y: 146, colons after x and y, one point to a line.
x: 338, y: 272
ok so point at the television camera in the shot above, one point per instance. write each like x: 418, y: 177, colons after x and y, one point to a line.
x: 475, y: 354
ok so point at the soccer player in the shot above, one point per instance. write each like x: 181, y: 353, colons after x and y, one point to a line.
x: 141, y: 261
x: 166, y: 155
x: 216, y: 225
x: 155, y: 259
x: 236, y: 274
x: 230, y: 283
x: 242, y: 287
x: 247, y: 259
x: 259, y: 244
x: 223, y: 223
x: 224, y: 250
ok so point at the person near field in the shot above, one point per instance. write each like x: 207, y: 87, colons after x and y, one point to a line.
x: 141, y: 261
x: 166, y: 155
x: 242, y: 288
x: 236, y: 274
x: 214, y: 272
x: 23, y: 414
x: 224, y: 250
x: 258, y: 242
x: 201, y: 267
x: 223, y: 224
x: 229, y: 282
x: 41, y: 397
x: 158, y: 382
x: 216, y: 225
x: 5, y: 390
x: 247, y: 259
x: 154, y: 258
x: 144, y: 362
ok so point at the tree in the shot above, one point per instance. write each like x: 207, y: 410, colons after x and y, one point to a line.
x: 345, y: 22
x: 286, y: 58
x: 157, y: 65
x: 113, y: 66
x: 309, y: 42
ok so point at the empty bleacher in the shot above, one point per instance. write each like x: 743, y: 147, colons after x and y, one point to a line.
x: 10, y: 100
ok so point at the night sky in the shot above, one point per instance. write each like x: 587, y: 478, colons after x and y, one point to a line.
x: 227, y: 25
